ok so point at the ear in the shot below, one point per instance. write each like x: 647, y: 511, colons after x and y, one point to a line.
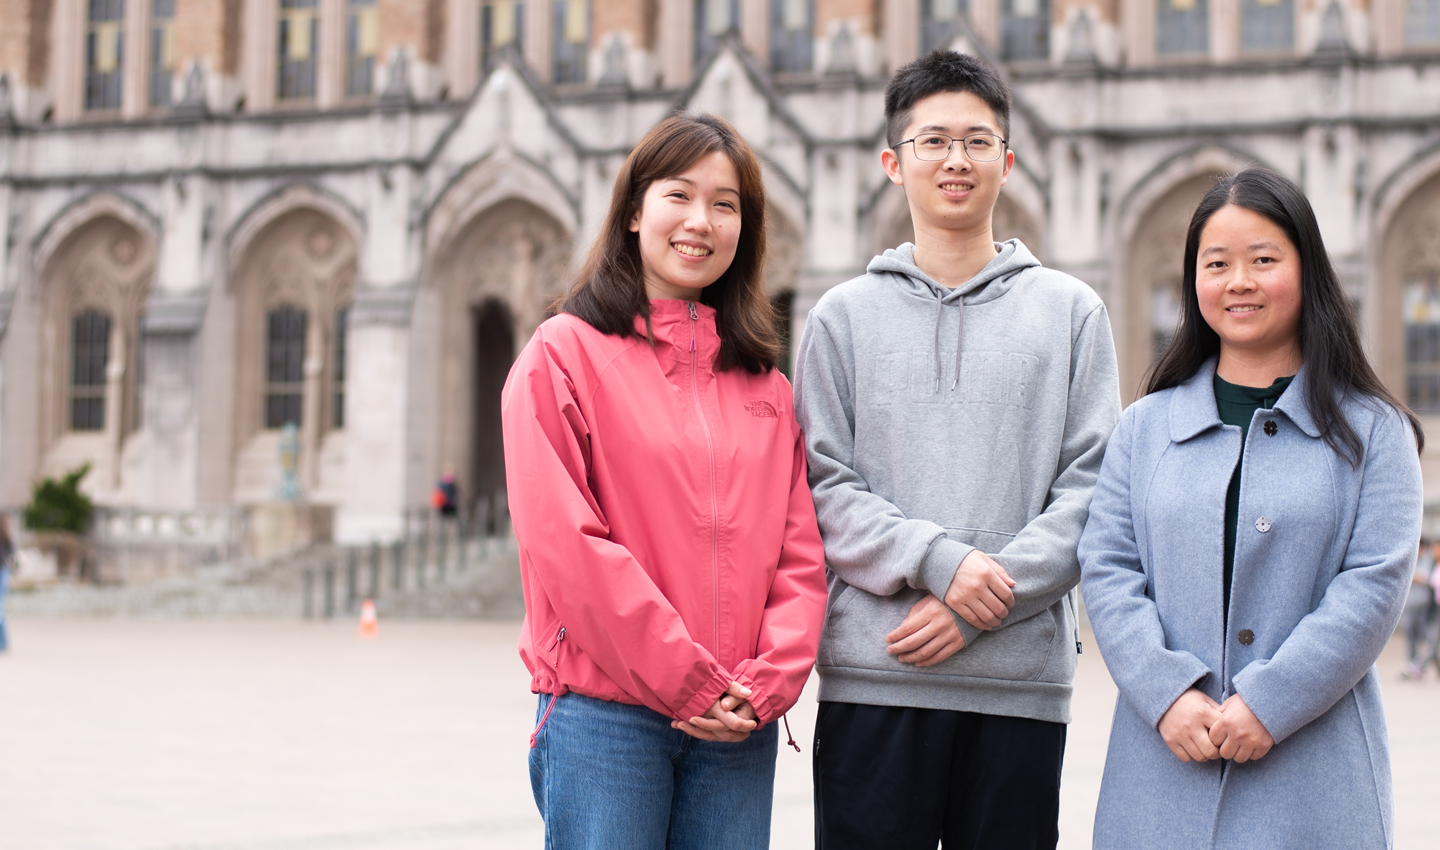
x: 1009, y: 164
x: 635, y: 221
x: 890, y: 161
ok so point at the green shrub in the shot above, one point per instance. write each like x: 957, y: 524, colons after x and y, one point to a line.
x: 59, y: 505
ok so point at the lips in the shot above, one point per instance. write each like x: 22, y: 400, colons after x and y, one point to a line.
x: 1242, y: 309
x: 954, y: 186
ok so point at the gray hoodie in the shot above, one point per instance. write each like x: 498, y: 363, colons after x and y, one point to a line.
x: 937, y: 421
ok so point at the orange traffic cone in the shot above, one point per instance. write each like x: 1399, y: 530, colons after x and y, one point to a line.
x: 369, y: 623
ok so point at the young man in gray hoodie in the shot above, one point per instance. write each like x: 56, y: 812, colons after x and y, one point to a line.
x: 956, y: 401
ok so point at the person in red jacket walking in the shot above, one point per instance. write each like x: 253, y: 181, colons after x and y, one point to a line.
x: 672, y: 566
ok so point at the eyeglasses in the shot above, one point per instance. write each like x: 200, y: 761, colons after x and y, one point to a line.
x: 980, y: 147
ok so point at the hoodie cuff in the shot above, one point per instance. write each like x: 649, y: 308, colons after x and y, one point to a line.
x: 941, y: 563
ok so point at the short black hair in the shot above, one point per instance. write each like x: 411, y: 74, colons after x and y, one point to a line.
x: 938, y: 72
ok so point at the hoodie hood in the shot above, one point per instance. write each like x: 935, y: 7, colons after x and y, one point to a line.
x: 993, y: 281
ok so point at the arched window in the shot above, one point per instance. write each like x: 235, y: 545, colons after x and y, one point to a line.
x: 162, y: 51
x: 713, y: 19
x: 104, y: 54
x: 1267, y: 26
x: 299, y: 35
x: 940, y: 22
x: 1025, y: 30
x: 284, y: 366
x: 792, y: 43
x: 362, y: 42
x: 1422, y: 343
x: 572, y: 41
x: 89, y: 355
x: 1422, y: 23
x: 1182, y: 27
x: 502, y: 23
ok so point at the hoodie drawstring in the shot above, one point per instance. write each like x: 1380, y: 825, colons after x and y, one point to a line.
x: 959, y: 338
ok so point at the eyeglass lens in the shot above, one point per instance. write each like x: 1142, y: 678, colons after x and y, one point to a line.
x: 981, y: 147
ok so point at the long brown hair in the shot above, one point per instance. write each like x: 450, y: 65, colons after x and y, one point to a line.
x: 1335, y: 362
x: 610, y: 290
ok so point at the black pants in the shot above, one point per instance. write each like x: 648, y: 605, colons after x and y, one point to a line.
x: 889, y: 778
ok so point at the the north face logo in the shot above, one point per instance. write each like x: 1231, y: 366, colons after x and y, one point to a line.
x: 762, y: 409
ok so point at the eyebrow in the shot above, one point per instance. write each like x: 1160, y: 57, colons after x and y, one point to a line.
x: 1254, y: 246
x: 941, y: 128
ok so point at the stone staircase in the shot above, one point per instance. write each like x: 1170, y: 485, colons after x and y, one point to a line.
x: 482, y: 582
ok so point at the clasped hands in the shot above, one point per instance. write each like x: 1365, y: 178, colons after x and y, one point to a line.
x: 980, y: 593
x: 730, y: 718
x: 1196, y: 728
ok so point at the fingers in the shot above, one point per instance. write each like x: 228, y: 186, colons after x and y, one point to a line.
x: 939, y: 649
x: 706, y: 735
x: 981, y: 591
x: 979, y: 616
x: 913, y: 622
x: 738, y: 690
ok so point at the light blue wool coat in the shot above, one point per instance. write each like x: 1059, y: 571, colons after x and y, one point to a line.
x: 1323, y: 557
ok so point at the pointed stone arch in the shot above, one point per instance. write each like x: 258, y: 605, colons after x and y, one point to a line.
x: 1404, y: 319
x: 500, y: 176
x: 96, y: 268
x: 261, y: 214
x: 295, y: 265
x: 488, y: 284
x: 1152, y: 221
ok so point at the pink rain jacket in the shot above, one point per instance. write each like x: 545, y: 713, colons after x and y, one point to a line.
x: 668, y: 542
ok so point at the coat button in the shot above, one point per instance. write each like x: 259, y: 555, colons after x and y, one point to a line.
x: 1262, y: 525
x: 1247, y: 637
x: 1270, y: 428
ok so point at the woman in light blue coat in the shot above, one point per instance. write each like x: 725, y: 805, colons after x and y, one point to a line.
x: 1248, y: 551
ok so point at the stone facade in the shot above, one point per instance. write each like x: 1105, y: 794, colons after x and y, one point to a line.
x: 352, y: 214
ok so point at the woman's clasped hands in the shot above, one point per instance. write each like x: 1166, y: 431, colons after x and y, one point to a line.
x: 731, y: 718
x: 1196, y: 728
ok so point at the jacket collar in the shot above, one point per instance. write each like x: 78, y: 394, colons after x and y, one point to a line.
x: 1193, y: 410
x: 671, y: 326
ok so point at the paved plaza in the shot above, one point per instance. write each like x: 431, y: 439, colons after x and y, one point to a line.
x: 284, y: 735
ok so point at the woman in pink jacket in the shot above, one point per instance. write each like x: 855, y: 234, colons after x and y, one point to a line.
x: 673, y: 571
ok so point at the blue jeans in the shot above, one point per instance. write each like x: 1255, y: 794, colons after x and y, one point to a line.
x: 608, y: 775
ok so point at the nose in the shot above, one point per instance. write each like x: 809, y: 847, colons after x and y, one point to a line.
x: 698, y: 221
x: 956, y: 158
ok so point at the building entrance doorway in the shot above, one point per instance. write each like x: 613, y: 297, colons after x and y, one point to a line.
x: 494, y: 352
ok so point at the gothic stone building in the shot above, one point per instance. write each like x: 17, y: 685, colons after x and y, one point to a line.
x: 220, y: 216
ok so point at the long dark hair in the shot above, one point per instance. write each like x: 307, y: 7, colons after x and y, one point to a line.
x: 1335, y: 363
x: 610, y: 290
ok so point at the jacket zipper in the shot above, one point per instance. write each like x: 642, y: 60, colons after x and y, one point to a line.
x: 546, y: 716
x: 714, y: 497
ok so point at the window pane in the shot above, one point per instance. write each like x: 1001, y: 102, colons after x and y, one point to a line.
x: 1025, y: 30
x: 792, y: 43
x: 1422, y: 345
x: 89, y: 355
x: 362, y: 43
x: 1182, y: 27
x: 104, y: 53
x: 502, y: 23
x: 572, y: 40
x: 1422, y: 22
x: 284, y: 366
x: 342, y: 330
x: 1267, y: 26
x: 299, y: 36
x: 939, y: 22
x: 162, y: 51
x: 713, y: 18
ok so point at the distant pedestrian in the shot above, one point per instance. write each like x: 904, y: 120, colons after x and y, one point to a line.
x: 1416, y: 622
x: 7, y: 563
x: 446, y: 498
x: 673, y: 571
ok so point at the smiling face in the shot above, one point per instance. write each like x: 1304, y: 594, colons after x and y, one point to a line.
x: 688, y: 227
x: 956, y: 193
x: 1247, y: 280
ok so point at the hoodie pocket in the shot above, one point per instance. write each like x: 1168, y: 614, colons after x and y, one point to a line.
x: 857, y: 631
